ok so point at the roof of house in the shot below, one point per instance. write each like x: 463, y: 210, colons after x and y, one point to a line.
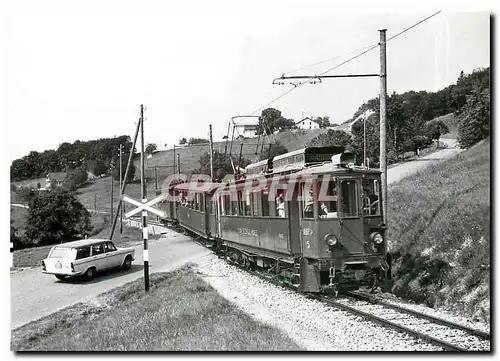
x: 58, y: 176
x: 306, y: 118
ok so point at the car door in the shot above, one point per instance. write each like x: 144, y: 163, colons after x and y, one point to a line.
x: 98, y: 256
x: 114, y: 257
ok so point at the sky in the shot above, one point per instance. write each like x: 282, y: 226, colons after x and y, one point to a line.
x: 80, y: 70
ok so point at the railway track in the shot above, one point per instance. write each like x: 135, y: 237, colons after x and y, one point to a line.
x: 439, y: 332
x: 442, y: 333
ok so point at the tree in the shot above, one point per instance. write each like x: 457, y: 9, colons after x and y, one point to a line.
x: 434, y: 130
x: 150, y: 148
x: 323, y: 122
x: 183, y: 141
x: 474, y: 120
x: 131, y: 172
x: 271, y: 121
x: 197, y: 141
x: 75, y: 178
x: 276, y: 149
x: 331, y: 138
x: 222, y: 164
x: 56, y: 217
x: 97, y: 167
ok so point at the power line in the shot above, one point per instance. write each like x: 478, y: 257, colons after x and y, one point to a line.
x: 326, y: 60
x: 411, y: 27
x: 351, y: 59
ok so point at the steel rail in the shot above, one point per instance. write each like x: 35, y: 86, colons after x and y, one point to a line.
x: 445, y: 345
x: 440, y: 321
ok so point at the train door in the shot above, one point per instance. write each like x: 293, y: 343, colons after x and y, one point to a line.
x: 352, y: 228
x: 294, y: 222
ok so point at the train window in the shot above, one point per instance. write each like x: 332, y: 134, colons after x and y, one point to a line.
x: 371, y: 196
x: 255, y: 203
x: 327, y: 197
x: 349, y: 204
x: 226, y: 205
x: 280, y: 206
x: 234, y: 208
x: 307, y: 205
x: 265, y: 203
x: 248, y: 204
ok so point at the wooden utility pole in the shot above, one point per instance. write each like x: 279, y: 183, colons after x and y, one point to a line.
x: 383, y: 124
x: 111, y: 167
x: 120, y: 209
x: 211, y: 152
x: 156, y: 179
x: 239, y: 160
x: 179, y: 163
x: 174, y: 159
x: 124, y: 185
x: 364, y: 140
x: 144, y: 213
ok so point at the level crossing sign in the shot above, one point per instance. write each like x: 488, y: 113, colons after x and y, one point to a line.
x: 144, y: 206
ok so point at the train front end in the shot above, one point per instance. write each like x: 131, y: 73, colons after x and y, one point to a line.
x: 342, y: 232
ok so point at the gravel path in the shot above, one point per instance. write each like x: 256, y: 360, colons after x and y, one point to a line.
x: 309, y: 323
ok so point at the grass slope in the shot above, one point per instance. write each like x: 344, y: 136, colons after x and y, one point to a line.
x: 180, y: 313
x: 439, y: 232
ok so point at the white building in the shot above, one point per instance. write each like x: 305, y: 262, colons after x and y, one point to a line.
x: 307, y: 124
x: 245, y: 129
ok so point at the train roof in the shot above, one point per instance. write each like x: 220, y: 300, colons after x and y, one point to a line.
x: 332, y: 168
x: 197, y: 187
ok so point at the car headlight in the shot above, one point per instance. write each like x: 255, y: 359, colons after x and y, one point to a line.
x: 331, y: 240
x: 376, y: 238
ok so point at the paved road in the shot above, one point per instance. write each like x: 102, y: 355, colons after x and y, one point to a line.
x: 403, y: 170
x: 35, y: 294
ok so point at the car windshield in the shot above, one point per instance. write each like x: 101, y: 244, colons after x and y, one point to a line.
x: 62, y: 252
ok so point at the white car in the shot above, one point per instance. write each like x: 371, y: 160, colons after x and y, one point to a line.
x: 86, y: 258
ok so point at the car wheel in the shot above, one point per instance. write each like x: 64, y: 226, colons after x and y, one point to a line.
x: 89, y: 274
x: 60, y: 277
x: 127, y: 263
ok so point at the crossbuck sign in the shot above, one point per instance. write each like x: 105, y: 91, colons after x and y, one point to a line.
x: 144, y: 206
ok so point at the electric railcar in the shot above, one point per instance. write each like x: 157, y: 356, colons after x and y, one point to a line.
x: 311, y: 216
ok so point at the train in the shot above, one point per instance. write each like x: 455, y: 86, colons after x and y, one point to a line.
x: 312, y: 217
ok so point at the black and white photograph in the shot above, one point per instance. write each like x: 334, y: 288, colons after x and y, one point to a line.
x: 248, y: 176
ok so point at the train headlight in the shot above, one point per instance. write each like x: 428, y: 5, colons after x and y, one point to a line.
x: 331, y: 240
x: 376, y: 238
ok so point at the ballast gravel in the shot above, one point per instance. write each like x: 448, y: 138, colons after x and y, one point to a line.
x: 311, y: 324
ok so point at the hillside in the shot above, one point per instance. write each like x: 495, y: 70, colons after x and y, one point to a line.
x: 439, y: 233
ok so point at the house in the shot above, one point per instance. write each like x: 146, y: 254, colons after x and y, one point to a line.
x: 245, y: 129
x: 307, y: 124
x: 56, y: 178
